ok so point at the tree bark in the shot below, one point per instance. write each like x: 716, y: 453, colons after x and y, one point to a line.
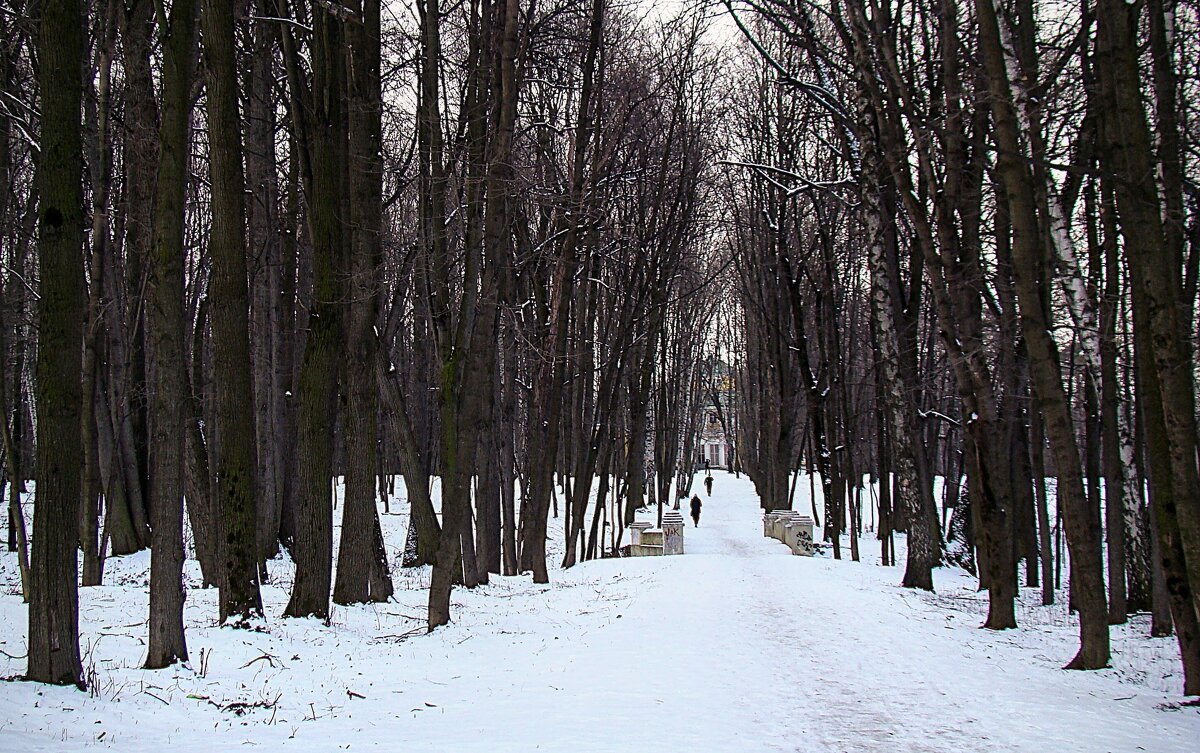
x: 359, y: 565
x: 54, y: 596
x: 267, y: 329
x: 1083, y: 534
x: 923, y: 545
x: 240, y: 601
x: 1160, y: 311
x: 165, y: 337
x: 99, y: 148
x: 1115, y: 504
x: 423, y: 528
x: 322, y: 138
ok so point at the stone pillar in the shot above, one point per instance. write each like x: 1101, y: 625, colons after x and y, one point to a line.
x: 785, y: 530
x: 635, y: 531
x: 768, y: 519
x: 672, y: 532
x: 800, y: 536
x: 777, y: 525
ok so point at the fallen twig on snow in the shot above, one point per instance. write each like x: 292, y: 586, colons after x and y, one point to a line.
x: 398, y: 637
x: 265, y: 657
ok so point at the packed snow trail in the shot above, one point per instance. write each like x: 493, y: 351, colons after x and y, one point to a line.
x: 735, y: 646
x: 806, y: 659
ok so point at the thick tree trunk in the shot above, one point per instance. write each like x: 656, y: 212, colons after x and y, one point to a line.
x: 166, y: 334
x: 1164, y: 509
x: 240, y: 599
x: 1159, y: 310
x: 358, y: 557
x: 323, y: 140
x: 1083, y: 533
x: 54, y: 596
x: 487, y: 505
x: 1162, y: 620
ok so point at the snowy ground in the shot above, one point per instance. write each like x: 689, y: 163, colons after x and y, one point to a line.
x: 735, y: 646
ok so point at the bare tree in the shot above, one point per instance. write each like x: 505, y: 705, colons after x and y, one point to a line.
x: 1165, y: 359
x: 54, y: 596
x: 1044, y: 361
x: 362, y: 572
x: 165, y: 339
x: 240, y: 599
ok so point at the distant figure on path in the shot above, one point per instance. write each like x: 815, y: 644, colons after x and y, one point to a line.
x: 696, y: 510
x: 706, y: 465
x: 708, y: 483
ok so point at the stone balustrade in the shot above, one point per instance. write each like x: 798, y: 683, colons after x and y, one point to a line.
x: 635, y: 530
x: 791, y: 528
x: 647, y: 541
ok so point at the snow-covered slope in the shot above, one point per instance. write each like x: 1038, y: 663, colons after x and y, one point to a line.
x: 735, y: 646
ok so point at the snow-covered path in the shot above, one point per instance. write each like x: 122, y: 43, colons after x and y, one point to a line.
x: 767, y: 651
x: 735, y: 646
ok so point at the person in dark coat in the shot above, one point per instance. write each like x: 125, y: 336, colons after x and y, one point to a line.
x: 708, y: 483
x: 696, y: 509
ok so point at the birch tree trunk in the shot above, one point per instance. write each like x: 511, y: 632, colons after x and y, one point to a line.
x: 913, y: 497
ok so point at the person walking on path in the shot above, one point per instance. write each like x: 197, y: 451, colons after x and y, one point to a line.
x: 696, y: 510
x: 708, y: 481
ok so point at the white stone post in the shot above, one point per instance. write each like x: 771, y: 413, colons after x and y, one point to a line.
x: 672, y: 532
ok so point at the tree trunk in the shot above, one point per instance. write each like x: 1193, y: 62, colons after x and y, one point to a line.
x: 17, y: 537
x: 423, y: 528
x: 140, y: 153
x: 1028, y: 246
x: 923, y: 546
x: 98, y: 144
x: 323, y: 140
x: 265, y: 283
x: 240, y: 600
x: 507, y: 450
x: 54, y: 596
x: 198, y: 487
x: 1161, y: 325
x: 357, y: 555
x: 1115, y: 504
x: 166, y: 334
x: 635, y: 465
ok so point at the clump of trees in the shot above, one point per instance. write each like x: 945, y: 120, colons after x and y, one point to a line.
x: 251, y: 248
x: 967, y: 245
